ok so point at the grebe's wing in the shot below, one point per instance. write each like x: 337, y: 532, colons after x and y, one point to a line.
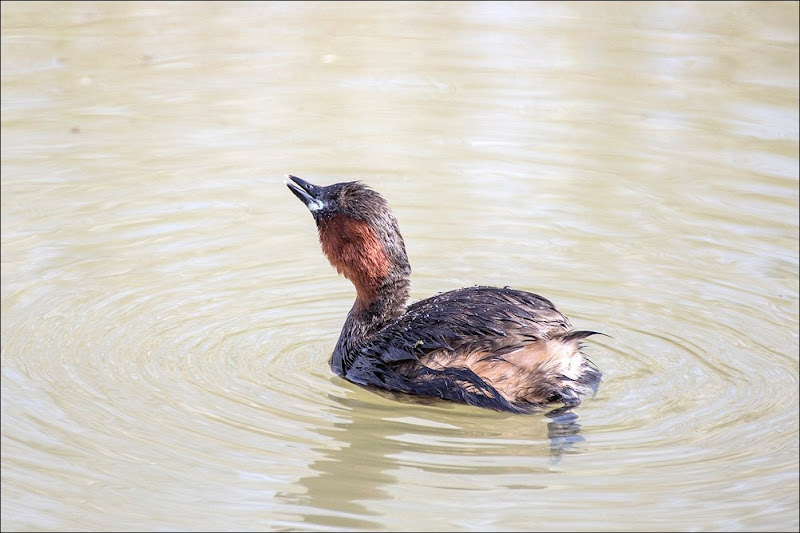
x: 437, y: 345
x: 488, y: 318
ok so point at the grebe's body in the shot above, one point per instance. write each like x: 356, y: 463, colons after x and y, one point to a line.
x: 498, y: 348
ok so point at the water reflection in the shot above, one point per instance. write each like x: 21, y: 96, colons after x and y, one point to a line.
x: 563, y: 431
x: 367, y: 454
x: 354, y: 470
x: 635, y: 162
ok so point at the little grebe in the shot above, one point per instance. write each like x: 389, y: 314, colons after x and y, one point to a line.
x: 502, y: 349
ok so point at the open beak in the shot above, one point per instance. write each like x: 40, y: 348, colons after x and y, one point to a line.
x: 309, y: 194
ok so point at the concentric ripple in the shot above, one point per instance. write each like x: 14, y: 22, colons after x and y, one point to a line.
x: 167, y: 314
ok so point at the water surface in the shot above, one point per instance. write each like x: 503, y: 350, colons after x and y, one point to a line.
x: 167, y: 314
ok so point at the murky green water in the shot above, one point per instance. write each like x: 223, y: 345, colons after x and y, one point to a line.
x: 167, y: 314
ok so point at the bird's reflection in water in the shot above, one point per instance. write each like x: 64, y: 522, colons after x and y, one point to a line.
x: 355, y: 459
x: 360, y: 456
x: 563, y: 431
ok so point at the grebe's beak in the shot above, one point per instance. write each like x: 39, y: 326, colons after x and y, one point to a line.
x: 309, y: 194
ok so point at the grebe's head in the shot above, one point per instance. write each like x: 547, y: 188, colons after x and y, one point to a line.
x: 352, y: 199
x: 358, y: 233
